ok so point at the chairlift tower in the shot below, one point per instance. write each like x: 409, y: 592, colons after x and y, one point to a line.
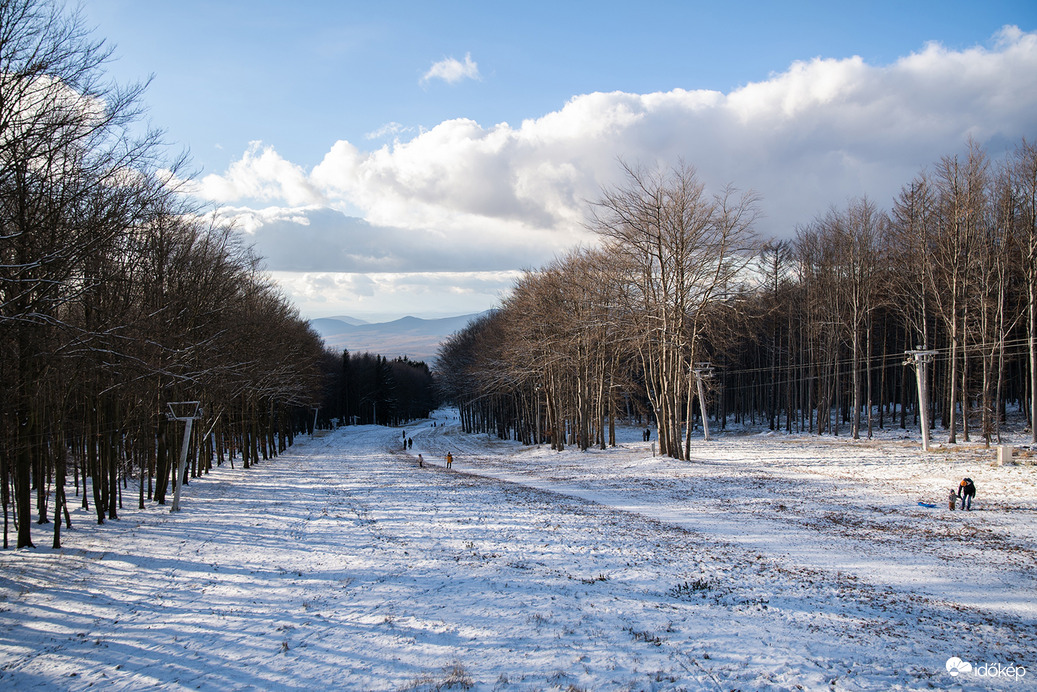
x: 921, y: 357
x: 702, y: 371
x: 189, y: 412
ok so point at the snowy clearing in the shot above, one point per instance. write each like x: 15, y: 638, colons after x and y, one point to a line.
x: 767, y: 562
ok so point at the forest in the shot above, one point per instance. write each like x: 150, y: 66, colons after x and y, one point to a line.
x: 684, y: 317
x: 117, y: 296
x: 369, y: 389
x: 126, y: 311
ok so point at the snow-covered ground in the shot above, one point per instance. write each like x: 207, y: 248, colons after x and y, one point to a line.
x: 767, y: 562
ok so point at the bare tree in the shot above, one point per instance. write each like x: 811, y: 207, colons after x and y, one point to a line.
x: 960, y: 189
x: 859, y: 234
x: 1025, y: 184
x: 684, y: 252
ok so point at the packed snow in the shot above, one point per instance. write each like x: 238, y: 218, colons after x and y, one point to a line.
x: 767, y: 562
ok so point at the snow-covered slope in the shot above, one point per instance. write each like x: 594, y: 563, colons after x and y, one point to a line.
x: 765, y: 563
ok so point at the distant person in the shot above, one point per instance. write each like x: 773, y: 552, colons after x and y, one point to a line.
x: 421, y: 461
x: 952, y: 501
x: 966, y: 491
x: 410, y: 442
x: 449, y: 459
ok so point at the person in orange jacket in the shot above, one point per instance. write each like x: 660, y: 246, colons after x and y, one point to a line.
x: 449, y: 459
x: 966, y: 491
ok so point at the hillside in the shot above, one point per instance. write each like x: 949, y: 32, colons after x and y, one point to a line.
x: 414, y: 337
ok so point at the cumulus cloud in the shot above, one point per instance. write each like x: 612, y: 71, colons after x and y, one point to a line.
x: 260, y: 175
x: 452, y: 70
x: 466, y: 197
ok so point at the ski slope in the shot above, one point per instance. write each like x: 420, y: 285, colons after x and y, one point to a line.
x: 765, y: 563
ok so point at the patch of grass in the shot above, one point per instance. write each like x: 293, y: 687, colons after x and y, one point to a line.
x: 646, y: 637
x: 591, y: 580
x: 454, y: 677
x: 539, y: 619
x: 697, y: 586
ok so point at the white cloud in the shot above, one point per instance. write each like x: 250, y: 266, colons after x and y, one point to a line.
x: 250, y: 220
x: 452, y: 70
x: 461, y: 195
x: 260, y: 175
x: 324, y: 240
x: 393, y: 129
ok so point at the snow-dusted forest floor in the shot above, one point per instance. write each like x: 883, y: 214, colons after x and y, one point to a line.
x: 766, y: 562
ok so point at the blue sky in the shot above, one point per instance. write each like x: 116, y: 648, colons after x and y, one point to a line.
x: 366, y: 145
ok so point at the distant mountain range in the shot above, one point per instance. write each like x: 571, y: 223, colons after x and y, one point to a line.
x: 416, y: 338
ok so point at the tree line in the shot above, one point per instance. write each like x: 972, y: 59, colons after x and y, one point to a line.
x: 118, y: 297
x: 370, y: 389
x: 684, y: 316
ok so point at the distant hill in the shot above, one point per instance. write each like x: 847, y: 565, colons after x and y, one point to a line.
x: 416, y: 338
x: 355, y: 321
